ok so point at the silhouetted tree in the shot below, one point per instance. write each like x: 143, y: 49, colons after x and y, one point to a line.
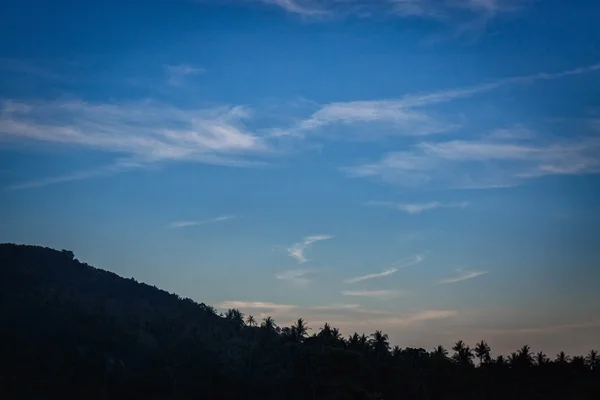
x: 482, y: 352
x: 268, y: 324
x: 380, y: 344
x: 463, y: 354
x: 524, y: 356
x: 72, y: 331
x: 250, y: 321
x: 541, y: 358
x: 592, y: 360
x: 440, y: 353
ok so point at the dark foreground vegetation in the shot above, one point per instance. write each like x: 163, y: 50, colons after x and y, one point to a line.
x: 70, y: 330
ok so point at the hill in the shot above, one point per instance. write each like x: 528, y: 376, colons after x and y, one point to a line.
x: 72, y: 330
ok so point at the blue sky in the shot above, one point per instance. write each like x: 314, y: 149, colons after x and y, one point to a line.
x: 429, y: 168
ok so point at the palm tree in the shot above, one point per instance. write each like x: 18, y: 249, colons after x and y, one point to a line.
x: 250, y: 321
x: 463, y: 354
x: 299, y: 330
x: 354, y: 342
x: 268, y: 324
x: 379, y: 342
x: 562, y: 358
x: 482, y: 351
x: 396, y: 351
x: 524, y: 356
x: 592, y: 360
x: 209, y: 309
x: 541, y: 358
x: 439, y: 353
x: 236, y: 316
x: 500, y: 360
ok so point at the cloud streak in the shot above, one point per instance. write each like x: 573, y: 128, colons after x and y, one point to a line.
x: 136, y: 133
x: 381, y: 274
x: 404, y: 263
x: 377, y: 294
x: 405, y: 115
x: 431, y: 9
x: 417, y: 208
x: 295, y: 276
x: 178, y: 73
x: 301, y: 7
x: 297, y: 250
x: 145, y: 130
x: 483, y: 163
x: 463, y: 275
x: 102, y: 171
x: 187, y: 224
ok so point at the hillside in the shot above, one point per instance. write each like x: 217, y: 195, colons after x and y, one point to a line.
x: 73, y: 330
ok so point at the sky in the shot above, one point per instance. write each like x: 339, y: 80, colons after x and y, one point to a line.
x: 428, y: 168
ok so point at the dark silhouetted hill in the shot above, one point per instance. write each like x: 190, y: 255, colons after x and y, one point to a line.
x: 75, y: 331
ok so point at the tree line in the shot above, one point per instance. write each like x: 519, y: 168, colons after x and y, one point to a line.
x: 72, y: 330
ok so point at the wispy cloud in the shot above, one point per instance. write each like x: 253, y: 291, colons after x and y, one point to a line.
x: 517, y: 132
x: 378, y: 294
x: 301, y: 7
x: 409, y: 261
x: 405, y: 115
x: 403, y: 263
x: 295, y: 276
x: 381, y: 274
x: 185, y: 224
x: 463, y: 275
x: 260, y: 305
x: 416, y: 208
x: 483, y: 163
x: 144, y: 131
x: 436, y: 9
x: 420, y: 316
x: 400, y: 118
x: 297, y: 250
x: 178, y: 73
x: 107, y: 170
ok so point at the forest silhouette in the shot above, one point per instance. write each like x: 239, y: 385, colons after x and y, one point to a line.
x: 72, y: 330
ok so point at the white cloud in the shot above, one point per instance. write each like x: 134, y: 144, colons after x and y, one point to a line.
x: 483, y: 163
x: 371, y: 276
x: 378, y: 294
x: 147, y: 131
x: 301, y: 7
x: 178, y: 73
x: 295, y: 276
x: 463, y: 275
x: 107, y: 170
x: 258, y: 305
x: 143, y: 131
x: 185, y: 224
x: 403, y: 263
x: 405, y: 115
x: 436, y: 9
x: 416, y: 208
x: 517, y: 132
x: 420, y: 316
x: 401, y: 118
x: 409, y: 261
x: 297, y: 250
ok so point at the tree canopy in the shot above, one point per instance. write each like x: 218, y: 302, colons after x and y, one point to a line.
x: 68, y: 329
